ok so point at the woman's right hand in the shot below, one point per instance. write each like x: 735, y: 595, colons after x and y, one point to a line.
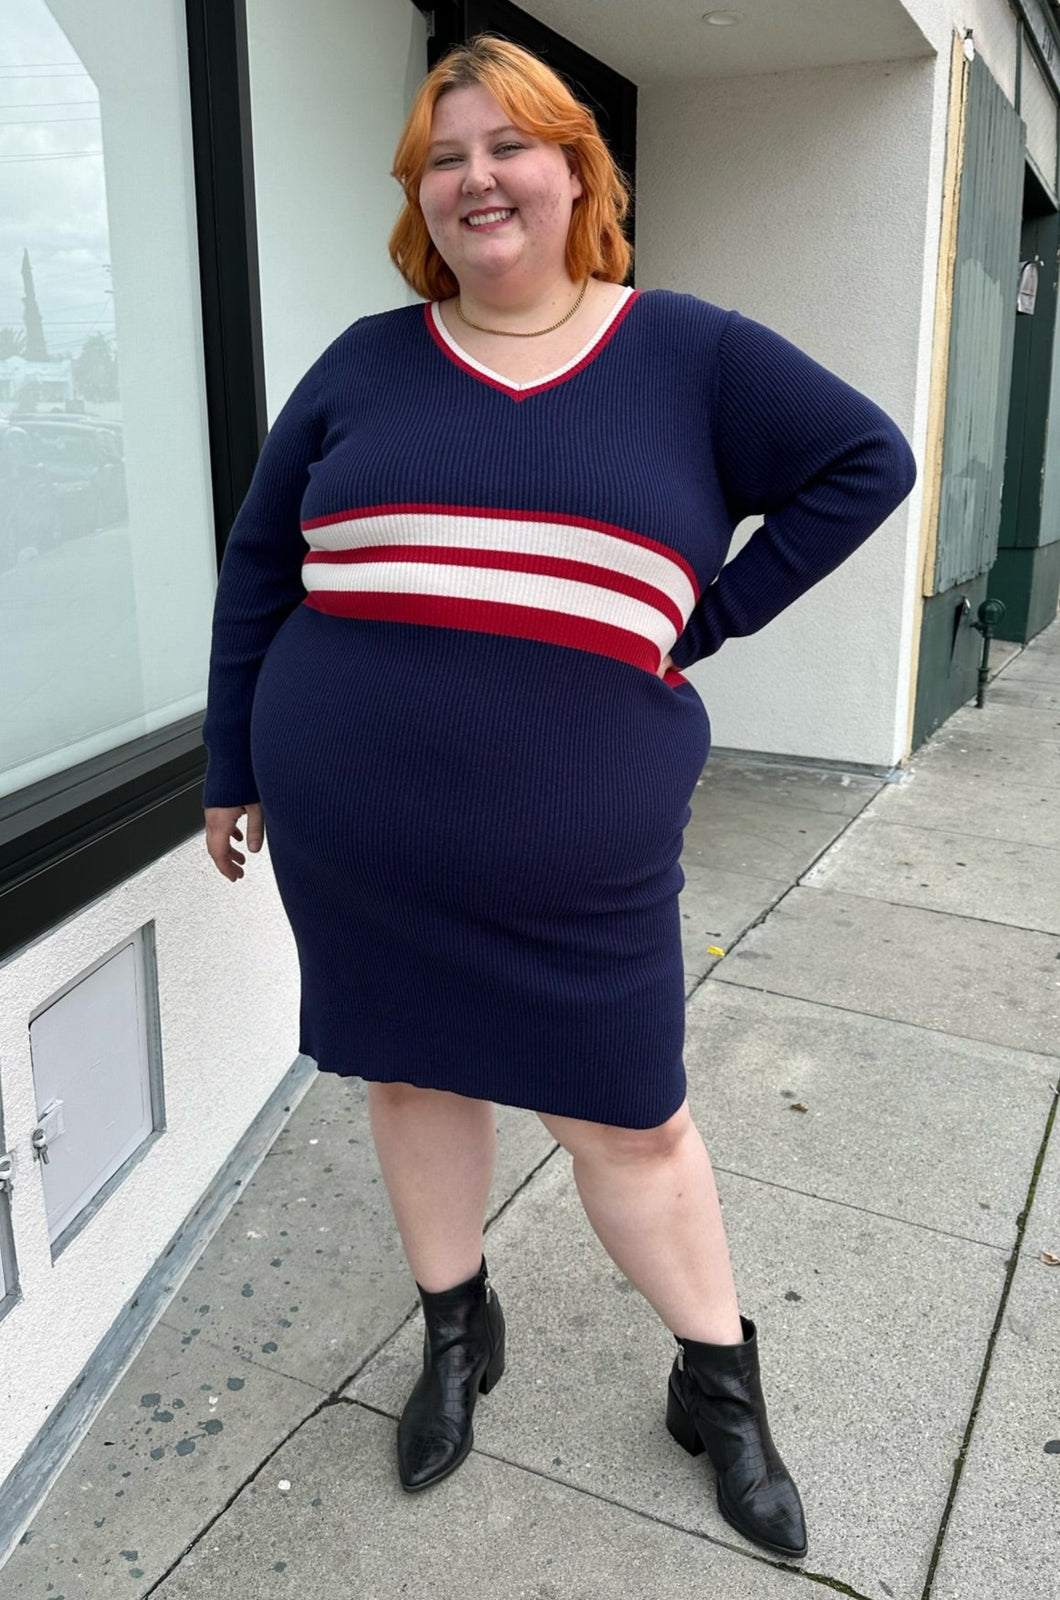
x: 222, y: 826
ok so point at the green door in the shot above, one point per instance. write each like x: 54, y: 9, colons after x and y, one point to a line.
x: 977, y: 395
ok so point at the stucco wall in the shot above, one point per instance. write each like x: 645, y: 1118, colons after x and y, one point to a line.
x: 331, y: 82
x: 993, y: 26
x: 228, y: 1000
x: 802, y: 199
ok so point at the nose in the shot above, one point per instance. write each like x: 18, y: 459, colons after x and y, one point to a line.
x: 478, y: 178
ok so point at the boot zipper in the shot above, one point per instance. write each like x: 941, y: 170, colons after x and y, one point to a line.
x: 489, y: 1290
x: 680, y: 1358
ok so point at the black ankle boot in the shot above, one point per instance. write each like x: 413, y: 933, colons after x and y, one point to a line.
x: 463, y: 1356
x: 715, y: 1404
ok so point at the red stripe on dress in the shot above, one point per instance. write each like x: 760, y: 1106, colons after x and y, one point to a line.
x: 507, y: 561
x: 546, y: 383
x: 494, y: 514
x: 491, y: 616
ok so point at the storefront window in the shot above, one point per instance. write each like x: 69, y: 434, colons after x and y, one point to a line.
x: 107, y: 563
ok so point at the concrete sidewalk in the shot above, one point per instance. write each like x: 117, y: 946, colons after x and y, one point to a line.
x: 873, y: 1065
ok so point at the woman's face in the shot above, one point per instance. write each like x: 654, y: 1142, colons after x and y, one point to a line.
x: 496, y: 200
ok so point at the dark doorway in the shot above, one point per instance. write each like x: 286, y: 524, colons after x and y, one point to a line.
x: 1026, y: 575
x: 611, y: 98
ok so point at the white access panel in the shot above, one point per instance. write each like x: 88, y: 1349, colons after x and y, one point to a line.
x: 8, y: 1277
x: 93, y: 1050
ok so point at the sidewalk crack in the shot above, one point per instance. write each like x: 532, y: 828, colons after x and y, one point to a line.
x: 778, y: 1565
x: 883, y: 1016
x: 767, y: 911
x: 214, y: 1518
x: 890, y: 821
x: 916, y: 905
x: 868, y: 1211
x: 1013, y: 1263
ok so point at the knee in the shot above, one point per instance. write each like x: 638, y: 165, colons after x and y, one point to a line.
x: 399, y: 1096
x: 633, y: 1146
x: 409, y: 1099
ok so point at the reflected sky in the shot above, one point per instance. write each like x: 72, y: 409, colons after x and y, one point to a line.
x: 52, y: 188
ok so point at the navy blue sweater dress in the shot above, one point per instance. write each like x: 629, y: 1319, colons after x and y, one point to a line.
x: 439, y: 620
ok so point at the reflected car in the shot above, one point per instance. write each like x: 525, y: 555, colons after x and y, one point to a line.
x: 82, y: 457
x: 30, y: 504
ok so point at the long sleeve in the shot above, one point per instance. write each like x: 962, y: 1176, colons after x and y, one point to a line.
x: 821, y: 463
x: 258, y: 587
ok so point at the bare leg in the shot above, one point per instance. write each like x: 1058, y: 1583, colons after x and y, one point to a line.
x: 436, y: 1151
x: 650, y: 1197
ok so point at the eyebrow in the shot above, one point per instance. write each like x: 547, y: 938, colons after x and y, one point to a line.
x: 491, y: 133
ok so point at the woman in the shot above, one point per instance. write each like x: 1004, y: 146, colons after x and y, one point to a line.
x: 462, y: 711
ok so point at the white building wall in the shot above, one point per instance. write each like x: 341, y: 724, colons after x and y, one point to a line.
x: 331, y: 86
x: 228, y: 1002
x: 801, y: 198
x: 811, y: 200
x: 993, y: 27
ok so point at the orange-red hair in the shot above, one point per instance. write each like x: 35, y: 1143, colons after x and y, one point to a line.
x: 537, y: 100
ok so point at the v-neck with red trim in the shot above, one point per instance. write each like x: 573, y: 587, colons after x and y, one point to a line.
x: 519, y: 391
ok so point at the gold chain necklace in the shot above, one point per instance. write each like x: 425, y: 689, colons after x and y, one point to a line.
x: 511, y: 333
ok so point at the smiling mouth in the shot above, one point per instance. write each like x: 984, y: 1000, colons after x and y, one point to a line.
x: 485, y: 219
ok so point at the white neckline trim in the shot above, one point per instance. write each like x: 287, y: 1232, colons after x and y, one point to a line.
x: 534, y: 383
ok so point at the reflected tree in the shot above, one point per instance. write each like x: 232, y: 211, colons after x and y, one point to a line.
x: 96, y: 368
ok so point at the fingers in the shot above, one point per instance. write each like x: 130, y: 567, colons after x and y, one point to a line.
x: 255, y: 826
x: 222, y: 827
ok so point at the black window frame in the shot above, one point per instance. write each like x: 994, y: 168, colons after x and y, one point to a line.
x: 77, y: 834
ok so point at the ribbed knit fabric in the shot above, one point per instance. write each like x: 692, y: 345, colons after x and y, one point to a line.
x: 438, y: 623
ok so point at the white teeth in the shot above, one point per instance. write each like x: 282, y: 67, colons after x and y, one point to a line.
x: 487, y: 216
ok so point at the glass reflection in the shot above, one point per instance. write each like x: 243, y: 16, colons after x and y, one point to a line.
x: 90, y: 596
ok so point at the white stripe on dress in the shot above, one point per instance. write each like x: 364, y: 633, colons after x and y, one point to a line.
x: 520, y: 536
x: 507, y: 587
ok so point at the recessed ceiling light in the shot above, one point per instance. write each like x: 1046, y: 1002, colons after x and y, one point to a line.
x: 722, y: 19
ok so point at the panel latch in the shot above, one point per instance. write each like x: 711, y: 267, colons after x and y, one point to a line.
x: 47, y: 1130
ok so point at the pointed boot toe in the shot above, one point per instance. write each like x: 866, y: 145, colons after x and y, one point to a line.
x: 463, y: 1357
x: 426, y: 1456
x: 715, y: 1403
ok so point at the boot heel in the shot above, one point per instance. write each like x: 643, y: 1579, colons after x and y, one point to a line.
x: 494, y: 1371
x: 680, y: 1425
